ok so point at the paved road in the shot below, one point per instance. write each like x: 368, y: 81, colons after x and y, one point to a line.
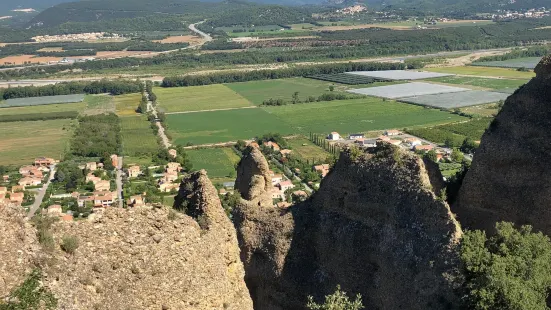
x: 40, y: 197
x: 161, y: 131
x: 119, y: 181
x: 205, y: 36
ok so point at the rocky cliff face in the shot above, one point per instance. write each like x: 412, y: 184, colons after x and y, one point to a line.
x: 375, y: 227
x: 143, y: 258
x: 510, y: 178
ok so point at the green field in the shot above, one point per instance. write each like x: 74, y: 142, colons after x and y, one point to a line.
x: 219, y: 162
x: 127, y: 104
x: 50, y: 108
x: 358, y: 115
x: 258, y: 91
x: 454, y: 134
x: 22, y: 142
x: 484, y: 71
x: 138, y: 139
x: 97, y: 104
x: 481, y: 82
x: 306, y: 149
x: 223, y: 126
x: 197, y: 98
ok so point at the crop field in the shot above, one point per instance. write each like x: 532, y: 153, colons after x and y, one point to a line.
x: 358, y: 115
x: 485, y: 71
x: 396, y: 75
x: 485, y: 110
x: 407, y: 90
x: 51, y: 108
x: 98, y: 104
x: 223, y: 126
x: 35, y: 101
x: 198, y: 98
x: 457, y: 99
x: 344, y: 78
x: 126, y: 105
x: 454, y: 133
x: 526, y: 62
x: 137, y: 137
x: 306, y: 149
x: 22, y: 142
x: 219, y: 162
x: 480, y: 82
x: 258, y: 91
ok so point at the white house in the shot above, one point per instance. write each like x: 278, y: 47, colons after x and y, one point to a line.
x: 356, y: 136
x: 276, y: 179
x: 392, y: 133
x: 334, y: 136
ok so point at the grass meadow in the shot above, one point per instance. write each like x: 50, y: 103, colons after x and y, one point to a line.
x: 97, y: 104
x: 484, y: 71
x: 258, y: 91
x: 218, y: 162
x: 304, y: 148
x: 358, y: 115
x: 22, y: 142
x: 480, y: 82
x: 50, y: 108
x: 223, y: 126
x: 127, y: 104
x: 198, y: 98
x: 137, y: 136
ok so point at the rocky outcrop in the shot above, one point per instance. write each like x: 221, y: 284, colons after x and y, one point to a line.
x: 510, y: 177
x: 253, y: 179
x: 375, y: 227
x: 145, y: 258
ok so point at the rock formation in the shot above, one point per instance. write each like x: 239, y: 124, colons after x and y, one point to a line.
x: 510, y: 177
x: 142, y: 258
x: 375, y: 227
x: 253, y: 180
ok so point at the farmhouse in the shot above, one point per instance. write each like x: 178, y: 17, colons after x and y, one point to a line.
x: 323, y: 169
x: 356, y: 136
x: 103, y: 185
x: 134, y: 171
x: 392, y: 133
x: 334, y: 136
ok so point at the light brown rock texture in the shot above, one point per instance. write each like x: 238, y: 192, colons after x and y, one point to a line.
x: 375, y: 227
x: 253, y: 180
x: 510, y: 177
x: 142, y: 258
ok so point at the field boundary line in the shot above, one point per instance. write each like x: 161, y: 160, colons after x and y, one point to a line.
x: 212, y: 110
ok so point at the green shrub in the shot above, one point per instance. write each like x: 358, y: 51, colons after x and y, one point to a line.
x: 336, y: 301
x: 70, y: 244
x: 30, y: 295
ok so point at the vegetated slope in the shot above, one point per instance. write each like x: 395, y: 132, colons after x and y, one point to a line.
x: 140, y: 258
x: 509, y: 179
x: 375, y: 227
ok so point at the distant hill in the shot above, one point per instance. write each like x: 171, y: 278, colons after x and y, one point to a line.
x: 6, y: 6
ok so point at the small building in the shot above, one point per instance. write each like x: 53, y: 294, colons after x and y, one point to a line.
x: 285, y: 152
x: 168, y: 187
x: 29, y: 181
x: 169, y: 177
x: 134, y: 171
x: 274, y: 146
x: 17, y: 198
x: 228, y: 185
x: 392, y: 133
x: 103, y: 199
x: 277, y: 193
x: 369, y: 143
x: 173, y: 153
x: 92, y: 166
x: 92, y: 178
x: 6, y: 178
x: 44, y: 162
x: 55, y: 210
x: 173, y: 167
x: 424, y: 148
x: 322, y: 169
x: 334, y: 136
x: 413, y: 141
x: 276, y: 178
x: 285, y: 185
x: 26, y: 170
x: 356, y: 136
x: 102, y: 186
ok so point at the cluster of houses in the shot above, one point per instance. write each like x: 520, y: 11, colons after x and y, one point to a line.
x: 31, y: 175
x: 280, y: 185
x: 89, y: 36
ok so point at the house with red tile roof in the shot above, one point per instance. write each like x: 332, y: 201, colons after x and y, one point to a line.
x: 274, y: 146
x: 285, y: 152
x: 17, y: 198
x: 285, y: 185
x: 92, y: 178
x: 323, y: 169
x: 30, y: 181
x: 92, y: 166
x: 425, y: 148
x: 134, y: 171
x: 334, y: 136
x: 44, y: 161
x: 103, y: 185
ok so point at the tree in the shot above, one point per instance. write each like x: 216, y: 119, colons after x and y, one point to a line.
x: 468, y: 146
x: 295, y: 97
x: 331, y: 88
x: 510, y: 270
x: 457, y: 156
x: 431, y: 155
x: 336, y: 301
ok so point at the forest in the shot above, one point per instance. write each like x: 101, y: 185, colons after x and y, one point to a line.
x: 97, y: 136
x: 114, y: 87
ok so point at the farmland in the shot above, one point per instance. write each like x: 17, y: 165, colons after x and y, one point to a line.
x: 258, y: 91
x: 97, y: 104
x: 357, y: 115
x: 138, y: 138
x: 526, y: 62
x: 344, y: 78
x: 51, y: 108
x: 223, y: 126
x: 454, y: 134
x: 197, y: 98
x: 24, y: 141
x: 218, y: 162
x: 485, y: 71
x: 36, y: 101
x: 306, y: 149
x: 127, y: 104
x: 480, y: 82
